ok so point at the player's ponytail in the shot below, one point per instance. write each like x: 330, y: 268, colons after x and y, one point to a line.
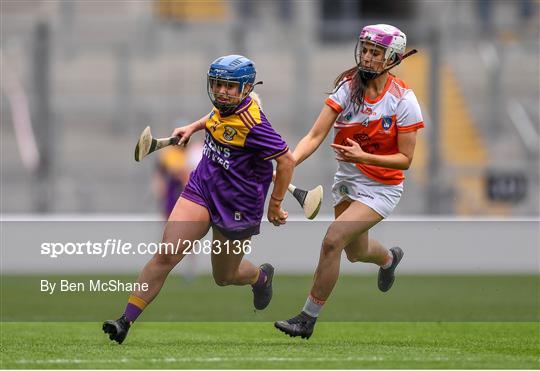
x: 358, y: 85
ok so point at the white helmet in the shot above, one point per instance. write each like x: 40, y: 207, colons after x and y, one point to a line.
x: 389, y: 37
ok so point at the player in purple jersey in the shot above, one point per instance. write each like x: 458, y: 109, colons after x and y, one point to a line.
x: 227, y: 191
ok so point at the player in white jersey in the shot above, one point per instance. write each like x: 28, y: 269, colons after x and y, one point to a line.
x: 375, y: 118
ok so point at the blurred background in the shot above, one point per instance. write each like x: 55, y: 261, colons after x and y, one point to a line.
x: 81, y: 79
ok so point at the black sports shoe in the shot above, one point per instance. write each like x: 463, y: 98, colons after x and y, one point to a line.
x: 263, y: 295
x: 301, y: 325
x: 118, y: 329
x: 386, y: 276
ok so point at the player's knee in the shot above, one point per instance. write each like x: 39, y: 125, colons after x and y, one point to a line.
x: 331, y: 244
x: 224, y: 280
x: 166, y: 260
x: 221, y: 282
x: 354, y: 258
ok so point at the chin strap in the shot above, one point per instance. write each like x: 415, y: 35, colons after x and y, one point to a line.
x: 251, y: 89
x: 408, y: 54
x: 375, y: 74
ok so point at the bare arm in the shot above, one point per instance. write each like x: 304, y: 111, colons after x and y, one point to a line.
x: 401, y: 160
x: 185, y: 132
x: 283, y: 176
x: 201, y: 123
x: 316, y: 135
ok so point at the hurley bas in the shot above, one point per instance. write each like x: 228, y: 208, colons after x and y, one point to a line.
x: 92, y: 286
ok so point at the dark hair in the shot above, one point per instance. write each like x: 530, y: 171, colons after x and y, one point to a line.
x: 358, y: 85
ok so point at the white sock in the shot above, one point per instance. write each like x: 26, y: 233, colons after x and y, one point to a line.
x: 387, y: 265
x: 313, y: 306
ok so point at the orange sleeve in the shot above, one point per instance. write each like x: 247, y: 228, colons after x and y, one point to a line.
x: 334, y: 105
x: 410, y: 128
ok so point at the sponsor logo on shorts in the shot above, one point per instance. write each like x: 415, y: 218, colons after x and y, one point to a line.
x: 237, y: 216
x: 343, y: 190
x: 228, y: 133
x: 366, y: 195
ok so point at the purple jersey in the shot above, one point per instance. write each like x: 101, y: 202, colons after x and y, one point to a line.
x: 235, y: 172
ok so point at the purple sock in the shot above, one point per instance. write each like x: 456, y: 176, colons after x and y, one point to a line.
x: 261, y: 280
x: 132, y: 312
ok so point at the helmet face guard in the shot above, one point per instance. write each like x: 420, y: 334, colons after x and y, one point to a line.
x: 224, y: 94
x: 378, y: 47
x: 371, y: 59
x: 373, y: 62
x: 230, y: 79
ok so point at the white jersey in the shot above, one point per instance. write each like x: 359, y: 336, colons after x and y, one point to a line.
x: 375, y: 127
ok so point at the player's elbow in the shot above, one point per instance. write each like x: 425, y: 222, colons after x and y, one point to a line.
x: 406, y: 162
x: 287, y: 160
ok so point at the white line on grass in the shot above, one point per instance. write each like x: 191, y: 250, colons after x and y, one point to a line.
x: 292, y: 218
x: 227, y: 359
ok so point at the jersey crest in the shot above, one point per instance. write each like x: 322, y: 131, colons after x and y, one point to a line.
x: 228, y: 133
x: 386, y: 122
x: 234, y: 129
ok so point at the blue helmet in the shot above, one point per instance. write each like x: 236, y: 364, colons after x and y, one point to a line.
x: 230, y: 71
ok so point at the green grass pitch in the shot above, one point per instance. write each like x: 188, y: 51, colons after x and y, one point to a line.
x: 256, y: 345
x: 434, y: 322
